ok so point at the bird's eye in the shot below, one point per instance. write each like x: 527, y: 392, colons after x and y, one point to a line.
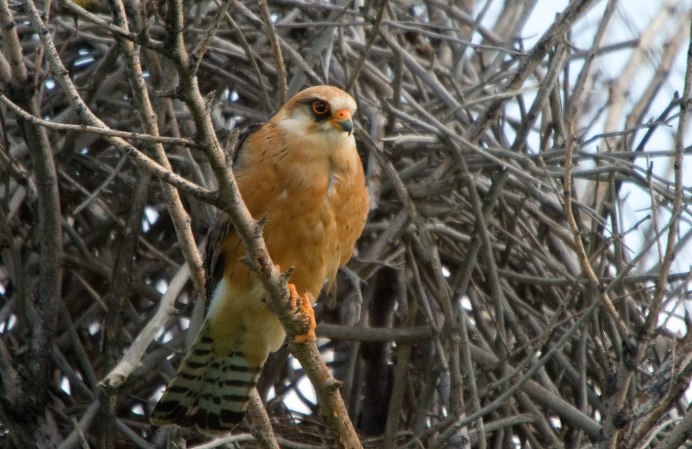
x: 319, y: 107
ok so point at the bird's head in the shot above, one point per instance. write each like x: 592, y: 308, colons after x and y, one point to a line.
x: 319, y: 112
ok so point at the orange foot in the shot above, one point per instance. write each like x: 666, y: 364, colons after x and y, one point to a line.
x: 303, y: 307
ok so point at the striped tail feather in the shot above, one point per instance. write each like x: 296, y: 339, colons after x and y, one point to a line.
x: 209, y: 391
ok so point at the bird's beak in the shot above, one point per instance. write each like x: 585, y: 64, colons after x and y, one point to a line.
x: 342, y: 120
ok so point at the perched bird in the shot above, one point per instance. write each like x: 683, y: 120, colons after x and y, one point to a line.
x: 302, y: 172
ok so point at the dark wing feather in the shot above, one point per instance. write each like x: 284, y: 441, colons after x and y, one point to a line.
x: 247, y: 132
x: 213, y: 256
x: 219, y: 230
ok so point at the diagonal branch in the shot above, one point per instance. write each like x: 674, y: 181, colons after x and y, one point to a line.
x: 332, y: 407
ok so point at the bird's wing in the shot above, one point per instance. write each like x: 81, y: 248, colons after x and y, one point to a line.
x: 247, y: 132
x: 221, y: 227
x: 214, y: 260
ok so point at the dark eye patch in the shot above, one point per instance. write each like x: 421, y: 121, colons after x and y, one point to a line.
x: 319, y: 109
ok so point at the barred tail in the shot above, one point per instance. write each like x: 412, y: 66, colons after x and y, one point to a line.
x: 209, y: 391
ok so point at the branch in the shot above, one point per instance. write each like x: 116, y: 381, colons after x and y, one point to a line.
x: 47, y: 293
x: 555, y: 33
x: 130, y: 361
x: 108, y: 132
x: 261, y: 424
x: 138, y: 157
x: 276, y: 50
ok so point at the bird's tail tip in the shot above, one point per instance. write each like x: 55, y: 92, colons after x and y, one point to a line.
x: 209, y: 392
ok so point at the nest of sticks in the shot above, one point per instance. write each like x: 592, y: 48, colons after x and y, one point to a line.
x: 503, y: 292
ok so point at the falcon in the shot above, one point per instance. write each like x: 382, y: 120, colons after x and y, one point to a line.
x: 302, y: 172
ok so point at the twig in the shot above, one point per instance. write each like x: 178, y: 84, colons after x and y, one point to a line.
x: 374, y: 33
x: 43, y: 308
x: 144, y: 161
x: 96, y: 129
x: 130, y: 361
x: 261, y: 424
x: 282, y: 85
x: 547, y: 41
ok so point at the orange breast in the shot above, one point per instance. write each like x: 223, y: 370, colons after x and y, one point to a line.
x: 315, y: 204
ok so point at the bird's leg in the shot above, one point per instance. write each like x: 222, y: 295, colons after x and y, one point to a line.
x: 303, y: 307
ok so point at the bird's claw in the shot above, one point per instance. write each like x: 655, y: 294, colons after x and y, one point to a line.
x: 303, y: 307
